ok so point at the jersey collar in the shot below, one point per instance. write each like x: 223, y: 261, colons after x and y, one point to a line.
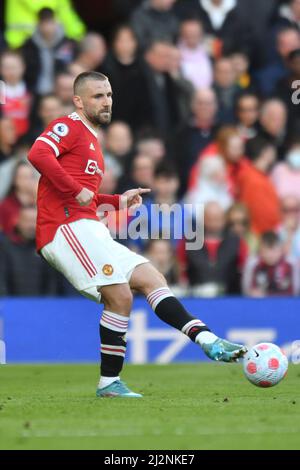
x: 86, y: 125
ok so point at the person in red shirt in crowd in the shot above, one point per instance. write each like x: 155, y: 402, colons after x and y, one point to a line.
x: 21, y: 194
x: 72, y: 239
x: 230, y: 146
x: 271, y: 273
x: 18, y: 100
x: 257, y: 192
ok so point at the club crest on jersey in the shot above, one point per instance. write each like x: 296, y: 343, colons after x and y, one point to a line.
x: 61, y: 129
x: 107, y: 269
x: 92, y: 168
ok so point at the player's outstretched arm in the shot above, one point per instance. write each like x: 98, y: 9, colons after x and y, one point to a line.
x: 110, y: 201
x: 130, y: 199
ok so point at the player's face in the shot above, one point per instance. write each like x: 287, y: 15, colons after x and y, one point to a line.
x: 97, y: 102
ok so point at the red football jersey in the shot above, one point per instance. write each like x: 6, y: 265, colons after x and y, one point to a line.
x: 69, y: 158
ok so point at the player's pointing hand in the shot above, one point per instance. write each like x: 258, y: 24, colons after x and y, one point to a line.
x: 85, y: 197
x: 133, y: 198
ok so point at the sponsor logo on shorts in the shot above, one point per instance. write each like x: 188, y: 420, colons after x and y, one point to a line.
x: 107, y: 269
x: 61, y: 129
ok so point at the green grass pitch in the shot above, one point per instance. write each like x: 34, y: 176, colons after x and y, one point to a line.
x: 186, y: 406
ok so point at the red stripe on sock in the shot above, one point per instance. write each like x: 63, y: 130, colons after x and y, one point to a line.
x: 110, y: 317
x: 113, y: 350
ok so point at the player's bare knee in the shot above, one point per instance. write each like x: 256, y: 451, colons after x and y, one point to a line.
x: 117, y: 299
x: 147, y: 279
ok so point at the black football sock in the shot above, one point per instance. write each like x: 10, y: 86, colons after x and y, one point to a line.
x: 172, y: 312
x: 113, y: 328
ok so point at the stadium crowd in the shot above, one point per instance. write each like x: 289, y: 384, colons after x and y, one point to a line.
x: 206, y: 111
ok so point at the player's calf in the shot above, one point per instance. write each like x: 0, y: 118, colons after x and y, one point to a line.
x: 147, y: 280
x: 117, y: 301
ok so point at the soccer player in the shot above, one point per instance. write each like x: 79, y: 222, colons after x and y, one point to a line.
x: 72, y: 239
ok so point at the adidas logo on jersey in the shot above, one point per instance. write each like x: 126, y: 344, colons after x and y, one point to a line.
x: 92, y: 147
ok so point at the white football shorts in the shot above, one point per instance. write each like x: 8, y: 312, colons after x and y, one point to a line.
x: 86, y: 254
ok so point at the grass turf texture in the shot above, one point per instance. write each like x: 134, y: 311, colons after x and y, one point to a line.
x: 200, y: 406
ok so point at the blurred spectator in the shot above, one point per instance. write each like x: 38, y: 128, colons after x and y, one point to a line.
x: 241, y: 66
x: 165, y: 186
x: 273, y: 124
x: 196, y: 134
x: 46, y: 53
x: 231, y: 148
x: 217, y: 267
x: 49, y: 108
x: 289, y: 14
x: 141, y: 174
x: 161, y: 254
x: 212, y: 185
x: 271, y: 273
x: 21, y: 193
x: 151, y: 143
x: 8, y: 138
x: 155, y: 20
x: 289, y: 231
x: 247, y: 113
x: 90, y: 55
x: 195, y: 62
x: 185, y: 89
x: 223, y: 24
x: 17, y: 98
x: 160, y: 218
x: 287, y: 40
x: 7, y: 168
x: 163, y: 90
x: 118, y: 147
x: 21, y: 18
x: 238, y: 222
x: 286, y: 88
x: 142, y: 171
x: 127, y: 77
x: 226, y: 89
x: 63, y: 89
x: 22, y: 271
x: 257, y: 191
x: 286, y: 174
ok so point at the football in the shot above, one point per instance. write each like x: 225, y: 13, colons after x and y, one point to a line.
x: 265, y: 365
